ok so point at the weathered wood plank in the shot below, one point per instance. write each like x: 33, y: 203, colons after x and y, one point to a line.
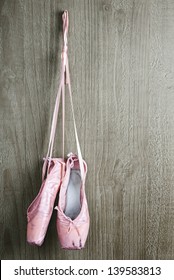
x: 122, y: 70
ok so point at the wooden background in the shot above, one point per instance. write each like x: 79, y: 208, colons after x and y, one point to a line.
x: 121, y: 57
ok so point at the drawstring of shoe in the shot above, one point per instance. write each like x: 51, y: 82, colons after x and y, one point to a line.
x: 71, y: 226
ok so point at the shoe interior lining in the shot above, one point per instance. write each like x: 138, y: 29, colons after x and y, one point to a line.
x: 73, y: 203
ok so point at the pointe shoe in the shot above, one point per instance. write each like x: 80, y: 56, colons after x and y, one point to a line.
x: 72, y: 210
x: 40, y: 210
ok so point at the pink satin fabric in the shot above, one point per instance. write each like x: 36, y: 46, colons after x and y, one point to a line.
x: 40, y: 210
x: 72, y: 233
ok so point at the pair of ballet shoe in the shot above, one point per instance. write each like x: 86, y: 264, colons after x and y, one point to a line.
x: 63, y: 178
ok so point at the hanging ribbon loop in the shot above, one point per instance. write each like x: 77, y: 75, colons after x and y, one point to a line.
x: 64, y: 79
x: 65, y: 20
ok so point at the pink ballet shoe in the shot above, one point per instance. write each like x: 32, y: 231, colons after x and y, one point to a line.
x: 40, y: 210
x: 72, y: 210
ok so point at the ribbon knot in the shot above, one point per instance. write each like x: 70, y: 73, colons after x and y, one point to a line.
x: 71, y: 226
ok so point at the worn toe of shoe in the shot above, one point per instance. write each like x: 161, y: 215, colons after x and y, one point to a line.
x: 72, y: 234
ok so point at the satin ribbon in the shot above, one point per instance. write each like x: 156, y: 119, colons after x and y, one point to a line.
x: 64, y: 79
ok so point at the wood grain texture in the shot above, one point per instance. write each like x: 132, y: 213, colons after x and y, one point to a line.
x: 122, y: 70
